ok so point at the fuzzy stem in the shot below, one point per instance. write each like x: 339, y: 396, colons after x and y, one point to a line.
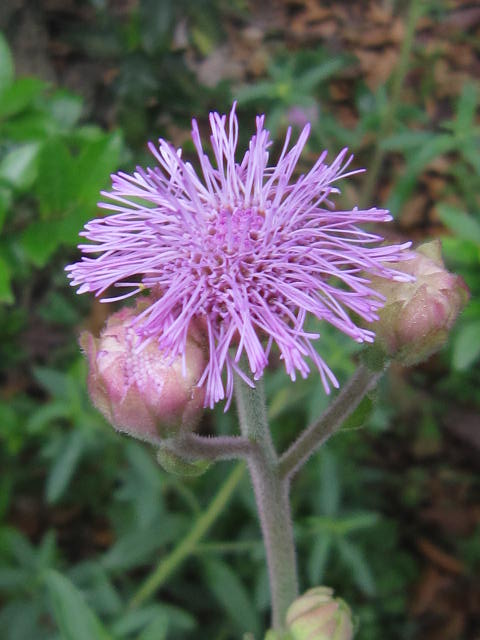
x: 271, y: 494
x: 193, y: 446
x: 314, y: 436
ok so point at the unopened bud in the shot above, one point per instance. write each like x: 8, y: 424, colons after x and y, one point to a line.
x: 418, y: 315
x: 318, y: 615
x: 139, y: 390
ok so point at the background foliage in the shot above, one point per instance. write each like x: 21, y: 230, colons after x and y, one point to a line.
x: 96, y: 541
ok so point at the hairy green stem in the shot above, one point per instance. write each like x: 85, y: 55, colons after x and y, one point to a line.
x: 391, y: 109
x: 271, y: 494
x: 187, y: 545
x: 195, y: 447
x: 314, y: 436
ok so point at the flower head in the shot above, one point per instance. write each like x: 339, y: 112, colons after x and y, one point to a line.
x: 139, y: 390
x: 318, y: 615
x: 418, y: 315
x: 240, y: 248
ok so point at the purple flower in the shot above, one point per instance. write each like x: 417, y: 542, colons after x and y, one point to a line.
x: 241, y: 248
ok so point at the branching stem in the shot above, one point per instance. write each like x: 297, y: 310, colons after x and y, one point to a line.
x: 314, y: 436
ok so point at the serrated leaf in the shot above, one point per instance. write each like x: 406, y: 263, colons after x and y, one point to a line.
x: 466, y: 346
x: 232, y: 595
x: 75, y: 619
x: 65, y: 466
x: 6, y: 64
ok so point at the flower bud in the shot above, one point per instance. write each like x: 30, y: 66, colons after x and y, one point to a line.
x: 139, y: 390
x: 418, y: 315
x: 317, y: 615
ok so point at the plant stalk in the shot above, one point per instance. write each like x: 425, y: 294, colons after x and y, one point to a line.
x: 272, y: 498
x: 315, y: 435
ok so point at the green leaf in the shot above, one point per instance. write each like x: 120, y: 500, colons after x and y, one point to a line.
x: 75, y: 619
x: 6, y: 64
x: 438, y: 145
x: 406, y: 141
x: 137, y: 548
x: 18, y: 547
x: 232, y: 595
x: 6, y: 197
x: 466, y: 109
x: 329, y: 484
x: 463, y: 253
x: 56, y: 174
x: 135, y: 620
x: 257, y: 91
x: 157, y: 19
x: 319, y: 558
x: 466, y: 346
x: 14, y: 579
x: 19, y: 96
x: 65, y: 466
x: 19, y: 619
x: 93, y: 577
x: 65, y: 108
x: 314, y: 76
x: 360, y: 571
x: 40, y: 240
x: 94, y: 165
x: 53, y: 381
x: 6, y: 293
x: 156, y: 630
x: 360, y: 415
x: 462, y: 224
x: 19, y: 166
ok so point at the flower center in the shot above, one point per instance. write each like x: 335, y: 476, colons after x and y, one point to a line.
x: 227, y: 256
x: 234, y: 232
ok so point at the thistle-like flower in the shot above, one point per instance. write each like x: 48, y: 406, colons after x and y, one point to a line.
x: 241, y: 249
